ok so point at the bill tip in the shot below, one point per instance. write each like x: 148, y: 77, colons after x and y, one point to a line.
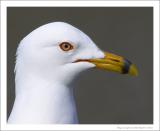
x: 133, y: 70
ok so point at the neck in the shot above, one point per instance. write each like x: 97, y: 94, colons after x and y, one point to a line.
x: 43, y: 102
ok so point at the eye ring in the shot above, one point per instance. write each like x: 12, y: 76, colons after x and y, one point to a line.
x: 66, y: 46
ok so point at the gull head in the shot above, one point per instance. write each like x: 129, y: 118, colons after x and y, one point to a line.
x: 59, y: 51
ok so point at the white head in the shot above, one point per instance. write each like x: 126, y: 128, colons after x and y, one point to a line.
x: 58, y: 52
x: 51, y: 50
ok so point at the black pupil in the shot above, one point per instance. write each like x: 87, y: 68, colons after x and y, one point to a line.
x: 66, y: 46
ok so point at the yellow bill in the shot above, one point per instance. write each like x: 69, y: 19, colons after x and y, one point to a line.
x: 115, y: 63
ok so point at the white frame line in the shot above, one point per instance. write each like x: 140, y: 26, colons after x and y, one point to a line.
x: 5, y: 4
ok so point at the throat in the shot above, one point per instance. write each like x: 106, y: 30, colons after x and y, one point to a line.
x: 43, y: 102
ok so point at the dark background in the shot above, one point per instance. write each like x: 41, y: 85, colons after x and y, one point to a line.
x: 101, y: 97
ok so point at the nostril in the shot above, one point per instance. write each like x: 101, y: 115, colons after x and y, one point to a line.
x: 114, y: 60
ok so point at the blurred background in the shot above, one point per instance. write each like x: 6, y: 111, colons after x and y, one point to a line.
x: 101, y: 97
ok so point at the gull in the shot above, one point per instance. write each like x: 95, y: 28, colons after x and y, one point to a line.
x: 47, y: 61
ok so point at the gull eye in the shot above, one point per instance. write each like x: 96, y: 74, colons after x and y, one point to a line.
x: 66, y: 46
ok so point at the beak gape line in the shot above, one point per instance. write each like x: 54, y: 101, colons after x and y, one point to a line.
x: 114, y: 63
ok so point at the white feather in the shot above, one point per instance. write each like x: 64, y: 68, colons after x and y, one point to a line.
x: 44, y: 72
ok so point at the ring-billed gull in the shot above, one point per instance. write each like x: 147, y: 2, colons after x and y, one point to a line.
x: 48, y: 59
